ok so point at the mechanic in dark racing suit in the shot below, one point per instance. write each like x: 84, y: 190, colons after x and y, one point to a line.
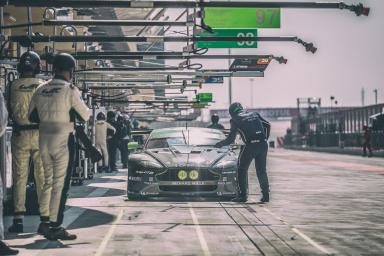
x: 254, y: 131
x: 215, y: 123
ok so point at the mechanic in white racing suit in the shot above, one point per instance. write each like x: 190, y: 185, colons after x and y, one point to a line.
x: 56, y: 106
x: 25, y: 139
x: 4, y: 248
x: 101, y: 128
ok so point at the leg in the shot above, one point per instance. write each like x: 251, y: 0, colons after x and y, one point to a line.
x: 104, y: 151
x: 20, y: 167
x: 112, y: 154
x: 261, y: 169
x: 38, y: 172
x: 46, y: 193
x: 245, y: 159
x: 63, y: 164
x: 123, y: 146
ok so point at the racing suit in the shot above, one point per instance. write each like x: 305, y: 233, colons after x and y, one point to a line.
x: 254, y: 131
x: 25, y: 144
x: 3, y: 127
x: 101, y: 140
x: 56, y: 105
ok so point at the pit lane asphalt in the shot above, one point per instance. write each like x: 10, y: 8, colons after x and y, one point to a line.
x: 321, y: 204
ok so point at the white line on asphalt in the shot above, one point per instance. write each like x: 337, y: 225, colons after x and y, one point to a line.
x: 108, y: 236
x: 70, y: 216
x: 199, y: 232
x: 304, y: 236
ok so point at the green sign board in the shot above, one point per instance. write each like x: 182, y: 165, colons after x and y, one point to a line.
x: 228, y: 33
x: 221, y: 17
x: 204, y: 97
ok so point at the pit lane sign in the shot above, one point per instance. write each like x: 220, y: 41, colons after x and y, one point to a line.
x: 228, y: 33
x: 213, y: 80
x: 258, y: 64
x: 224, y: 17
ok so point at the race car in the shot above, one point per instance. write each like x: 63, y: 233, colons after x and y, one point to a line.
x: 182, y: 162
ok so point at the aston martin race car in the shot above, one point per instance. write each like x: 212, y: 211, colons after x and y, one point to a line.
x: 182, y: 162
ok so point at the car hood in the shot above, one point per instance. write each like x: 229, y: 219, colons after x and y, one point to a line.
x: 188, y: 156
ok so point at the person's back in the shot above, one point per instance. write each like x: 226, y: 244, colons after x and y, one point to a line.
x: 101, y: 128
x: 250, y: 126
x: 20, y: 93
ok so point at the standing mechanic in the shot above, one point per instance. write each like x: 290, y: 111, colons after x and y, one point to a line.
x: 56, y: 106
x: 4, y: 248
x: 215, y: 123
x: 254, y: 131
x: 102, y: 128
x: 25, y: 139
x: 112, y: 143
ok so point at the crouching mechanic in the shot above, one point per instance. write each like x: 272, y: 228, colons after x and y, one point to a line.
x: 101, y: 140
x: 56, y: 106
x: 254, y: 131
x: 25, y: 138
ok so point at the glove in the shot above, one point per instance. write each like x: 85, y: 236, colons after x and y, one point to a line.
x: 217, y: 145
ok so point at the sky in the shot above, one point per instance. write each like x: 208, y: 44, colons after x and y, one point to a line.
x: 350, y: 57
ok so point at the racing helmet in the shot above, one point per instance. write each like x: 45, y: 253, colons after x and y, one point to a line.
x: 235, y: 108
x: 215, y: 118
x: 29, y: 62
x: 111, y: 115
x: 100, y: 116
x: 64, y: 61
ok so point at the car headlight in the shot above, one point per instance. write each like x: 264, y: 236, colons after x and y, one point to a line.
x: 226, y: 164
x: 150, y: 164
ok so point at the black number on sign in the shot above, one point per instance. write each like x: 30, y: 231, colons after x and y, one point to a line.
x: 260, y: 16
x: 10, y: 77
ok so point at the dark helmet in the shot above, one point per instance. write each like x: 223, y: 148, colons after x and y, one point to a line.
x: 235, y: 108
x: 29, y: 62
x: 215, y: 118
x: 100, y: 116
x: 64, y: 61
x: 111, y: 115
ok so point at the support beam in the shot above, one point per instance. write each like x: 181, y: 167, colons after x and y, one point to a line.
x: 123, y: 23
x: 358, y: 9
x: 28, y: 40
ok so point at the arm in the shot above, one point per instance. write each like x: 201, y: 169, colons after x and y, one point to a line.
x: 79, y: 106
x: 266, y: 125
x: 110, y: 127
x: 33, y: 115
x: 3, y: 115
x: 231, y: 137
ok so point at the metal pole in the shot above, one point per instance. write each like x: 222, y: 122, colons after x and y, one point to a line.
x: 230, y: 78
x: 251, y: 80
x: 357, y: 9
x: 375, y: 92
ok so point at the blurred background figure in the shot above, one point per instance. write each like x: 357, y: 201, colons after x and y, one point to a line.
x: 367, y: 141
x: 102, y: 128
x: 215, y: 123
x: 111, y: 141
x: 121, y: 137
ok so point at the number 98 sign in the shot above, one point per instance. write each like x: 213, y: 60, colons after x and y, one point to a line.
x: 246, y: 43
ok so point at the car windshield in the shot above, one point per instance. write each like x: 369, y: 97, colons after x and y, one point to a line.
x: 195, y: 137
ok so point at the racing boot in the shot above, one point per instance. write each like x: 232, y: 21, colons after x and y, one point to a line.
x: 265, y: 198
x: 59, y: 233
x: 43, y: 229
x: 6, y: 250
x: 16, y: 227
